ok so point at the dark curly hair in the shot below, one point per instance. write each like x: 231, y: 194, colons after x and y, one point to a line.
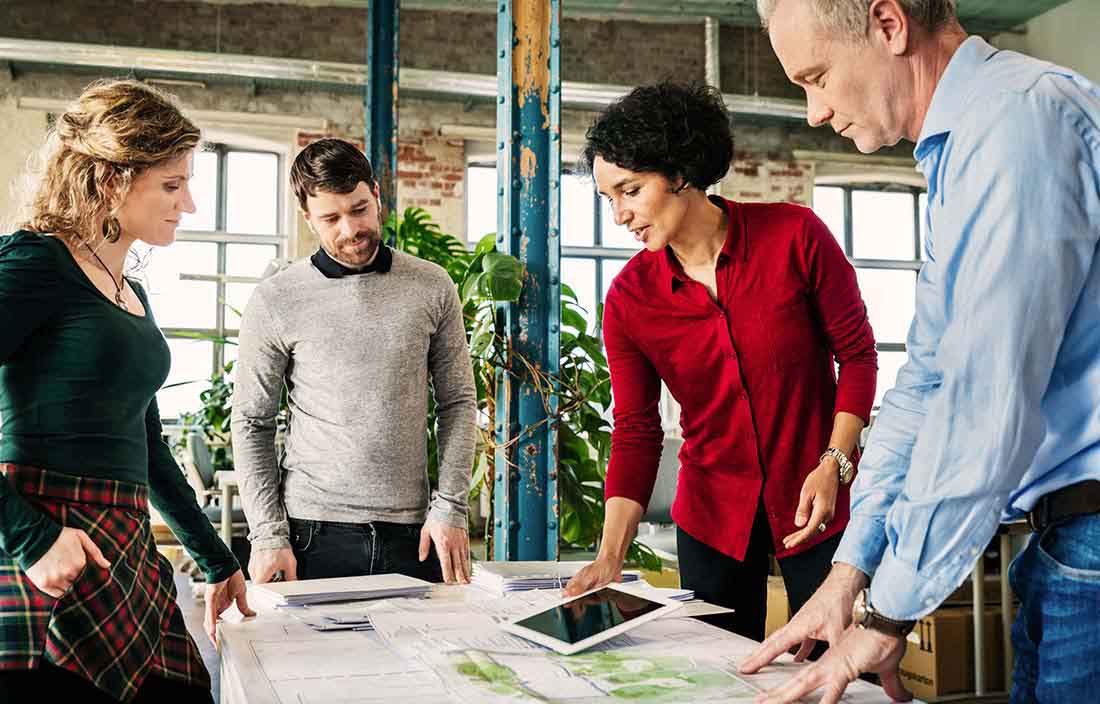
x: 675, y: 129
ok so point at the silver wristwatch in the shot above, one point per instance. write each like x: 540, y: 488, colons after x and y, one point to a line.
x: 847, y: 471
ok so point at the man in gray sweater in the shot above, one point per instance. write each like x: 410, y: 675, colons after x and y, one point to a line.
x: 353, y: 334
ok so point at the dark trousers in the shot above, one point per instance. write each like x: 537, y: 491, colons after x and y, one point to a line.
x: 331, y: 549
x: 54, y: 684
x: 743, y: 585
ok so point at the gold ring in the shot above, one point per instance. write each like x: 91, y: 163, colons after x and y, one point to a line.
x: 821, y: 528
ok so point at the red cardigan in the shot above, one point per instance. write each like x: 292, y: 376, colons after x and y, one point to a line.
x: 754, y: 374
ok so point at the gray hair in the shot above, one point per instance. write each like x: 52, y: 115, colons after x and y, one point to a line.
x: 848, y: 18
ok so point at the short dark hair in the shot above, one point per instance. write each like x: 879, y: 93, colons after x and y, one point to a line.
x: 331, y: 165
x: 675, y: 129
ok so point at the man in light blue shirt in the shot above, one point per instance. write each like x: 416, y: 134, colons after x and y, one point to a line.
x: 997, y: 411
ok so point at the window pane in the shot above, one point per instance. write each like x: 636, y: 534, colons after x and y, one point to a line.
x: 614, y: 235
x: 890, y: 296
x: 882, y: 225
x: 252, y: 193
x: 204, y: 191
x: 577, y: 211
x: 611, y: 268
x: 236, y: 298
x: 192, y: 361
x: 888, y: 365
x: 922, y: 205
x: 829, y: 206
x: 580, y: 275
x: 481, y: 202
x: 176, y: 303
x: 248, y: 259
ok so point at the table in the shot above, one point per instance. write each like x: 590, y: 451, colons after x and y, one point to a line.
x: 244, y: 645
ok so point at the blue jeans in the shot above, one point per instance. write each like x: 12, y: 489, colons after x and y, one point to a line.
x: 1057, y: 632
x: 330, y: 549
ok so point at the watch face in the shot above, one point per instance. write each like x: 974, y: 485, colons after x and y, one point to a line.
x: 859, y: 609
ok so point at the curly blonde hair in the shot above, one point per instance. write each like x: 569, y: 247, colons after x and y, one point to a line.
x: 112, y: 133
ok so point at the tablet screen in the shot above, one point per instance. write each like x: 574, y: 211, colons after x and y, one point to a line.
x: 589, y: 615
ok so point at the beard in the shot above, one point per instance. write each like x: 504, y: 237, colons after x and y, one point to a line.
x: 358, y: 251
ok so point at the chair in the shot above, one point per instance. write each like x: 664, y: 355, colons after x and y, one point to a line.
x: 661, y: 534
x: 199, y: 465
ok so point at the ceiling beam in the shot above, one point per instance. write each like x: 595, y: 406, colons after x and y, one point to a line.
x: 451, y: 84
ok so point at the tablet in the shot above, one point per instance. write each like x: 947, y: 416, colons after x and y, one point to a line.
x: 579, y: 622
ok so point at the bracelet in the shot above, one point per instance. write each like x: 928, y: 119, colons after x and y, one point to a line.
x: 846, y: 468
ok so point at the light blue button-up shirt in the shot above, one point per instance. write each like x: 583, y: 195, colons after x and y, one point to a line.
x: 999, y: 402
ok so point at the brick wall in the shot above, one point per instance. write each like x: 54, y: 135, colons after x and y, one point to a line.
x: 430, y: 175
x: 752, y: 178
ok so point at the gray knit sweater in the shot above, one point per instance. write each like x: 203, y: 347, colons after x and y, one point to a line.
x: 355, y: 354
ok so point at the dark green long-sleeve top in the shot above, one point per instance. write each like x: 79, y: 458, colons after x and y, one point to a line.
x: 78, y: 378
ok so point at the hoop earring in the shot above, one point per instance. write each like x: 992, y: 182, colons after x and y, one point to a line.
x: 112, y: 230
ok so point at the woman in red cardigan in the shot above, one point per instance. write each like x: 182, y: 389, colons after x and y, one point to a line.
x: 741, y: 309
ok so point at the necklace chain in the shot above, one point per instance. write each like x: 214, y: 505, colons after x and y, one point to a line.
x: 118, y: 286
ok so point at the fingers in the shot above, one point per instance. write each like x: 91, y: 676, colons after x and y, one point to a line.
x: 448, y: 567
x: 92, y: 550
x: 819, y: 516
x: 290, y: 567
x: 460, y: 568
x: 592, y: 576
x: 775, y: 645
x: 805, y: 650
x: 261, y: 570
x: 210, y: 618
x: 242, y: 602
x: 805, y: 504
x: 54, y: 591
x: 823, y: 673
x: 460, y: 558
x: 426, y: 544
x: 891, y: 684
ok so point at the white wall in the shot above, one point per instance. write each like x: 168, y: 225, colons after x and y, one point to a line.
x: 1066, y: 35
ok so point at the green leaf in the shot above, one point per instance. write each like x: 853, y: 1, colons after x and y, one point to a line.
x: 486, y: 244
x: 503, y: 279
x: 573, y: 319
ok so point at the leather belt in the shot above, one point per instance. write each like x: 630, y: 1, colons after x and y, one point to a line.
x: 1080, y: 499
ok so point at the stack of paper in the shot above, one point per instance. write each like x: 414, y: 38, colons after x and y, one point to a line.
x: 505, y: 577
x: 320, y: 591
x: 351, y: 616
x: 644, y: 588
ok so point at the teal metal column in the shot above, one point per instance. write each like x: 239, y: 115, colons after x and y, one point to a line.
x: 381, y: 97
x: 525, y: 493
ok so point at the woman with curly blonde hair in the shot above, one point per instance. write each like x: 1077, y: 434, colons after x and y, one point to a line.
x: 87, y: 605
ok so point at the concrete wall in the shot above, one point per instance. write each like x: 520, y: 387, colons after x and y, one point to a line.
x: 1065, y: 35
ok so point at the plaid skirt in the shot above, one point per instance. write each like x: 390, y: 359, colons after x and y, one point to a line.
x: 113, y: 627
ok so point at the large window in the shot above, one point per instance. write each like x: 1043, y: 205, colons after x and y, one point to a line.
x: 199, y: 286
x: 594, y: 249
x: 882, y: 231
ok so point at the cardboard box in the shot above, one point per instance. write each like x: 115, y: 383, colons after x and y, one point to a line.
x: 779, y: 609
x: 964, y: 595
x: 939, y: 659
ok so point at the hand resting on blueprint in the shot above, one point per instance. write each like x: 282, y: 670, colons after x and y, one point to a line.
x: 452, y: 544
